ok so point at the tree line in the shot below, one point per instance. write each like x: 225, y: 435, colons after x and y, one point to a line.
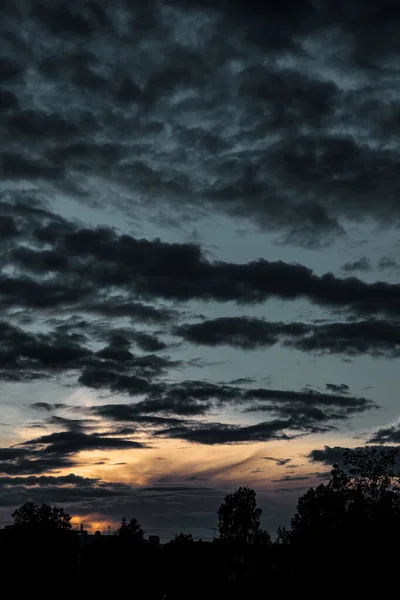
x: 358, y: 507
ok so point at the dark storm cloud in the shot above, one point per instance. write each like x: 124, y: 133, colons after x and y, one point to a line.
x: 219, y: 433
x: 362, y: 264
x: 27, y: 462
x: 328, y: 455
x: 188, y: 398
x: 60, y: 480
x: 148, y: 342
x: 378, y: 338
x: 193, y: 397
x: 386, y: 435
x: 71, y: 442
x: 27, y: 355
x: 71, y: 488
x: 308, y: 411
x: 308, y: 151
x: 241, y: 332
x: 306, y: 397
x: 169, y: 410
x: 374, y: 337
x: 91, y: 263
x: 57, y: 450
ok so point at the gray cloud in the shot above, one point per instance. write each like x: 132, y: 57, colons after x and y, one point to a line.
x: 26, y: 356
x: 341, y: 388
x: 292, y: 413
x: 362, y: 264
x: 65, y: 489
x: 291, y: 165
x: 376, y: 337
x: 335, y: 455
x: 70, y: 442
x: 294, y: 478
x: 46, y: 407
x: 386, y: 435
x: 328, y: 455
x: 88, y: 264
x: 219, y: 433
x: 57, y: 450
x: 283, y: 115
x: 386, y: 263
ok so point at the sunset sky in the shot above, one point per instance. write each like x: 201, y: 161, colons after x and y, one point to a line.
x: 199, y: 211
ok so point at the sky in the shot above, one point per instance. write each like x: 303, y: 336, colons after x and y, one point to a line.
x: 199, y: 253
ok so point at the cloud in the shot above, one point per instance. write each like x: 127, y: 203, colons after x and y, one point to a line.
x: 341, y: 388
x: 46, y: 407
x: 88, y: 266
x: 27, y: 462
x: 269, y: 113
x: 129, y: 413
x: 386, y: 263
x: 280, y: 462
x: 362, y: 264
x: 71, y: 442
x: 307, y: 410
x: 386, y: 435
x: 63, y: 489
x: 304, y: 409
x: 241, y: 332
x: 27, y: 355
x: 73, y: 425
x: 328, y: 455
x: 58, y: 450
x: 377, y: 337
x: 293, y: 478
x: 219, y: 433
x: 305, y: 144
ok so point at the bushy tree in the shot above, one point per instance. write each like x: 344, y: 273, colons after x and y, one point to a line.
x: 182, y: 538
x: 131, y: 529
x: 360, y: 502
x: 31, y: 515
x: 239, y: 517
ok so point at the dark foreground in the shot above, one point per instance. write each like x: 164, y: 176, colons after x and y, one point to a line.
x: 61, y: 565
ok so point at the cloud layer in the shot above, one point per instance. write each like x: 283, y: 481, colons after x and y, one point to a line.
x: 277, y: 118
x: 291, y: 130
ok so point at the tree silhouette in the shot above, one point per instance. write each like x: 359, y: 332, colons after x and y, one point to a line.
x: 131, y: 529
x: 239, y: 517
x: 283, y: 536
x: 31, y: 515
x: 182, y: 538
x: 361, y: 501
x: 263, y: 538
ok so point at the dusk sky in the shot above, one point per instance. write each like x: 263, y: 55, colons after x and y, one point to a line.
x: 199, y: 212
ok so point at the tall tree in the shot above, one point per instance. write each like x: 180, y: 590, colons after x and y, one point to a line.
x: 31, y: 515
x: 360, y: 502
x: 131, y: 529
x: 239, y: 517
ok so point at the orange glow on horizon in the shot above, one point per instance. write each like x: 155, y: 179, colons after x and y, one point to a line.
x: 178, y: 461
